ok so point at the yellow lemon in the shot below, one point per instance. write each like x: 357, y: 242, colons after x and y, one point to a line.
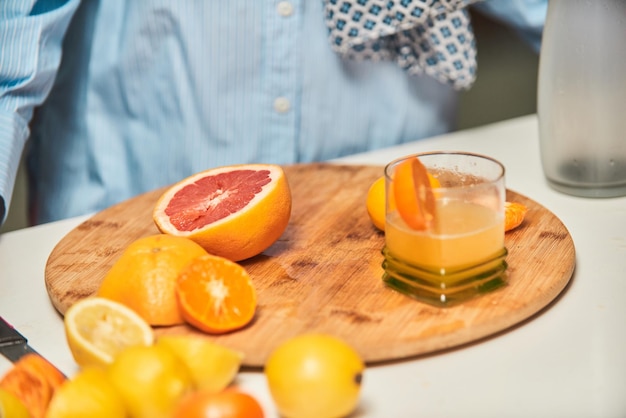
x: 213, y: 367
x: 11, y: 407
x: 150, y: 379
x: 314, y: 375
x: 88, y: 394
x: 97, y: 329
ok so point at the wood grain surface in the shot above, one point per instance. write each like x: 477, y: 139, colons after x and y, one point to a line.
x: 324, y: 273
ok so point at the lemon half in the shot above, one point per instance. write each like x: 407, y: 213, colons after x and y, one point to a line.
x: 97, y: 329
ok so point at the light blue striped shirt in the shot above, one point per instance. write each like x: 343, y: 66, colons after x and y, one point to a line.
x: 146, y: 93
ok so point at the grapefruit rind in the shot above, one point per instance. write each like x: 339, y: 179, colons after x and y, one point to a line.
x: 242, y: 234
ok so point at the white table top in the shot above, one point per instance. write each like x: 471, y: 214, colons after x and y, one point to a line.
x: 567, y: 361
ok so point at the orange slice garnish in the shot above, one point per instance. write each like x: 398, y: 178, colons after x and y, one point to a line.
x: 413, y: 194
x: 514, y: 214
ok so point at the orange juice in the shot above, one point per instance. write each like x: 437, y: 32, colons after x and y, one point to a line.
x: 465, y: 234
x: 444, y: 244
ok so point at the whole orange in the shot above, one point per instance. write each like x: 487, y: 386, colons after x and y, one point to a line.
x: 230, y: 403
x: 375, y: 203
x: 144, y: 277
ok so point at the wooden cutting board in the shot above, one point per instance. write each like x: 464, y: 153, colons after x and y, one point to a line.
x: 324, y: 273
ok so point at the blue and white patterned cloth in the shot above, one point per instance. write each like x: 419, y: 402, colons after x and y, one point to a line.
x: 423, y: 36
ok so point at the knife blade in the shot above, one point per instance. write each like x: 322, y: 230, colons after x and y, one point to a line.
x: 14, y: 345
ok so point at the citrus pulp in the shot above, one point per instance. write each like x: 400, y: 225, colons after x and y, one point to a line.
x: 97, y: 329
x: 514, y: 214
x: 215, y: 294
x: 235, y: 212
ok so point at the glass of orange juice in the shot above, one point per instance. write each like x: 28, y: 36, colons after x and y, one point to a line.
x: 444, y: 226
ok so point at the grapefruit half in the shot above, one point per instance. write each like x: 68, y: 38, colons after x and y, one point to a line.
x: 235, y: 212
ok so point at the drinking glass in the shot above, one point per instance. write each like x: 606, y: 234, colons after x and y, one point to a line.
x: 461, y: 254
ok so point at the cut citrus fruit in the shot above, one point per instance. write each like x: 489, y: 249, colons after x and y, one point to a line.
x: 434, y: 181
x: 413, y: 194
x: 144, y: 277
x: 216, y: 295
x: 234, y: 212
x: 97, y: 329
x: 375, y: 201
x: 514, y: 214
x: 213, y: 366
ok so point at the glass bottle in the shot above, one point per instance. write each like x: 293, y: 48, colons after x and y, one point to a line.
x: 582, y: 97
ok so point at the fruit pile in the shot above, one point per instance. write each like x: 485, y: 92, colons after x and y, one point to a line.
x: 187, y: 274
x: 126, y: 372
x: 170, y: 280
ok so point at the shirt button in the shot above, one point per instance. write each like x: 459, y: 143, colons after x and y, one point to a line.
x: 281, y: 104
x: 284, y: 8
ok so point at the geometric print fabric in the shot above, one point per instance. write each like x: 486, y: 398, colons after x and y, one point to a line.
x: 432, y: 37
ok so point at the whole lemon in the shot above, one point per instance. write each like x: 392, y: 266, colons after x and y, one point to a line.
x: 11, y: 406
x: 314, y: 375
x: 144, y: 277
x: 88, y: 394
x: 150, y: 379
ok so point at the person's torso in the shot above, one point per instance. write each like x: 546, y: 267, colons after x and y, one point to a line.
x: 151, y: 92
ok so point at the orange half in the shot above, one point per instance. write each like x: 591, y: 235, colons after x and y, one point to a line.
x: 413, y: 194
x: 215, y: 294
